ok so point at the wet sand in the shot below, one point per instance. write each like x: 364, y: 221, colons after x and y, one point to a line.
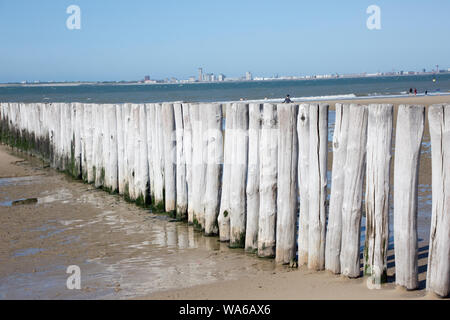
x: 127, y: 252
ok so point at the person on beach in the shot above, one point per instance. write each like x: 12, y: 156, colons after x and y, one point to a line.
x: 288, y: 99
x: 415, y: 91
x: 426, y: 92
x: 410, y: 90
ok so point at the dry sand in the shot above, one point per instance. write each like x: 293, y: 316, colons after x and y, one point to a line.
x: 127, y: 252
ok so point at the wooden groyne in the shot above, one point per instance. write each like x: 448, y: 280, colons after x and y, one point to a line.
x: 258, y: 180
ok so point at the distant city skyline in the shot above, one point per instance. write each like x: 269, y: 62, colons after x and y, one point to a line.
x: 127, y: 40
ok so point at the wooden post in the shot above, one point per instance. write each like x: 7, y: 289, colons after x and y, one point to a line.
x: 187, y: 150
x: 334, y: 228
x: 170, y: 157
x: 224, y: 213
x: 214, y: 168
x: 287, y: 201
x: 126, y: 114
x: 303, y: 182
x: 157, y: 154
x: 410, y: 125
x: 254, y: 131
x: 352, y: 197
x: 197, y: 163
x: 113, y: 151
x: 239, y: 176
x: 379, y: 145
x: 438, y: 273
x: 268, y: 182
x: 150, y: 113
x: 133, y: 151
x: 120, y: 148
x: 318, y: 152
x: 204, y: 153
x: 181, y: 190
x: 88, y: 142
x: 142, y: 186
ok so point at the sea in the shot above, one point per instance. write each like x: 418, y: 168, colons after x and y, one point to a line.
x: 272, y: 91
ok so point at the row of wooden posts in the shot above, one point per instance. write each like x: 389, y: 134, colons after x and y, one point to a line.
x: 259, y: 181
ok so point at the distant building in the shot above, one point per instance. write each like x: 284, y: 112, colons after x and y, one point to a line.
x: 248, y: 76
x: 146, y: 78
x: 200, y: 74
x: 221, y: 77
x: 192, y: 79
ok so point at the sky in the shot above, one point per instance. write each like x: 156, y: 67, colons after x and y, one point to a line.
x: 126, y: 40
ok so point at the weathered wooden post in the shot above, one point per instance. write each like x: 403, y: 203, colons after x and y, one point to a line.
x: 287, y: 200
x: 318, y: 152
x: 438, y: 273
x: 88, y: 144
x: 334, y: 228
x: 254, y: 132
x: 224, y: 213
x: 352, y: 197
x: 120, y: 148
x: 239, y: 167
x: 197, y: 163
x: 303, y: 182
x: 268, y: 182
x: 181, y: 183
x: 150, y: 113
x: 128, y: 145
x: 214, y: 168
x: 204, y: 147
x: 170, y: 157
x: 113, y: 151
x: 106, y: 147
x: 187, y: 149
x: 133, y: 151
x: 379, y: 145
x: 410, y: 125
x: 157, y: 154
x: 98, y: 146
x: 142, y: 186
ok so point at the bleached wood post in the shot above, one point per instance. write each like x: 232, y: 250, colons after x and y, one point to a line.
x: 254, y: 131
x: 181, y: 190
x: 224, y: 213
x: 150, y: 113
x: 142, y: 183
x: 334, y: 227
x: 352, y: 197
x: 133, y: 151
x: 77, y: 118
x: 204, y: 150
x: 120, y: 148
x: 158, y: 153
x: 379, y: 145
x: 169, y: 156
x: 105, y: 147
x: 98, y: 144
x: 410, y: 125
x: 303, y: 182
x: 239, y: 176
x: 268, y: 182
x: 287, y: 200
x: 112, y: 161
x: 214, y: 168
x: 197, y: 161
x: 126, y: 115
x: 88, y: 143
x: 318, y: 152
x: 438, y: 273
x: 187, y: 148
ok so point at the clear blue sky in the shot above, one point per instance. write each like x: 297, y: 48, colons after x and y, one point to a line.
x: 125, y: 40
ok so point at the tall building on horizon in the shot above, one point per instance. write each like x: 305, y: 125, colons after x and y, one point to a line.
x: 248, y: 76
x: 200, y: 74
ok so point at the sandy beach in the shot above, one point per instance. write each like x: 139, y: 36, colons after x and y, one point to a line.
x: 125, y: 252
